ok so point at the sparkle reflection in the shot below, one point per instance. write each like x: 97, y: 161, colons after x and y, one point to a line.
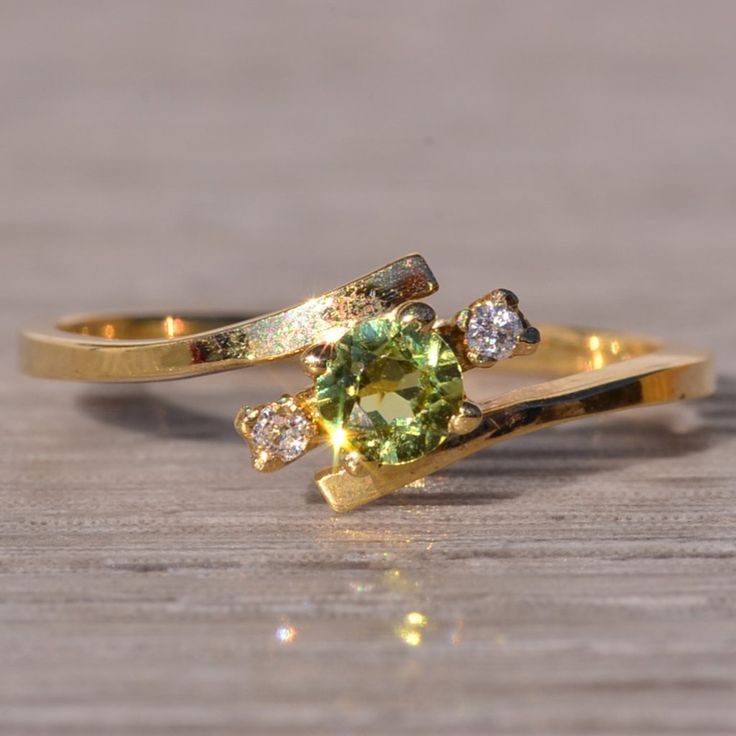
x: 412, y: 638
x: 410, y: 631
x: 173, y: 326
x: 334, y: 333
x: 285, y: 634
x: 338, y: 438
x: 602, y: 352
x: 358, y: 587
x: 416, y: 619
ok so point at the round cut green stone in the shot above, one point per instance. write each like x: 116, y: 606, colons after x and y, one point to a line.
x: 390, y: 391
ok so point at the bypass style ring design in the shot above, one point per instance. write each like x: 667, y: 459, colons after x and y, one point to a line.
x: 387, y: 390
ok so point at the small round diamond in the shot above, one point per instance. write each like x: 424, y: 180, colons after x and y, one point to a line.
x: 493, y: 331
x: 282, y: 430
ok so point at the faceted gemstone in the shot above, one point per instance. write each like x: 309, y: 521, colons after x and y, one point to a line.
x: 283, y: 430
x: 389, y: 391
x: 493, y: 331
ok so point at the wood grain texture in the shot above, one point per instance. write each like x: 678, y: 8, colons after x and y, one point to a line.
x: 244, y: 155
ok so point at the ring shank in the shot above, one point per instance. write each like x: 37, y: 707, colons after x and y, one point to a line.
x: 161, y: 347
x: 152, y: 347
x: 564, y: 350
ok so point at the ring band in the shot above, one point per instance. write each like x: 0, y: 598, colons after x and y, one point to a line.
x: 599, y: 371
x: 154, y: 348
x: 387, y: 388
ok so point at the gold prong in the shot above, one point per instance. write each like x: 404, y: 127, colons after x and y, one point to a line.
x: 315, y: 359
x: 461, y: 319
x: 354, y: 463
x: 531, y: 336
x: 265, y: 462
x: 419, y: 313
x: 246, y: 419
x: 478, y: 361
x: 528, y: 341
x: 511, y: 300
x: 467, y: 419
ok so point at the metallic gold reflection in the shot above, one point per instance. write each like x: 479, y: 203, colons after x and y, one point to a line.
x: 173, y: 327
x: 411, y: 629
x: 603, y: 351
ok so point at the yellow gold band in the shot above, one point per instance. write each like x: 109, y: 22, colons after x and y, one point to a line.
x: 154, y: 348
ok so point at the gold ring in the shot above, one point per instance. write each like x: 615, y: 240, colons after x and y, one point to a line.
x: 387, y: 392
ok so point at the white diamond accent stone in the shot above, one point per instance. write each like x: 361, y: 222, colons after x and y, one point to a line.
x: 282, y: 430
x: 493, y: 331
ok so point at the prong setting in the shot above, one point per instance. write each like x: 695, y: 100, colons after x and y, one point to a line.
x: 245, y: 420
x: 315, y: 359
x: 467, y: 419
x: 354, y: 463
x: 277, y: 433
x: 419, y: 314
x: 461, y: 319
x: 506, y: 296
x: 528, y: 342
x: 494, y: 328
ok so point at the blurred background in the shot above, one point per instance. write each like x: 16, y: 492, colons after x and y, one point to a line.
x: 248, y: 154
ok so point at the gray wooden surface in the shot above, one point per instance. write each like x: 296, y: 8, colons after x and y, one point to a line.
x: 245, y: 155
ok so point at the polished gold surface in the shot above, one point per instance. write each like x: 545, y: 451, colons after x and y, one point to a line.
x: 152, y: 348
x: 611, y: 371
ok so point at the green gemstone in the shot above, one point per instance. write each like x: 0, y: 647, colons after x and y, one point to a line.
x: 391, y: 389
